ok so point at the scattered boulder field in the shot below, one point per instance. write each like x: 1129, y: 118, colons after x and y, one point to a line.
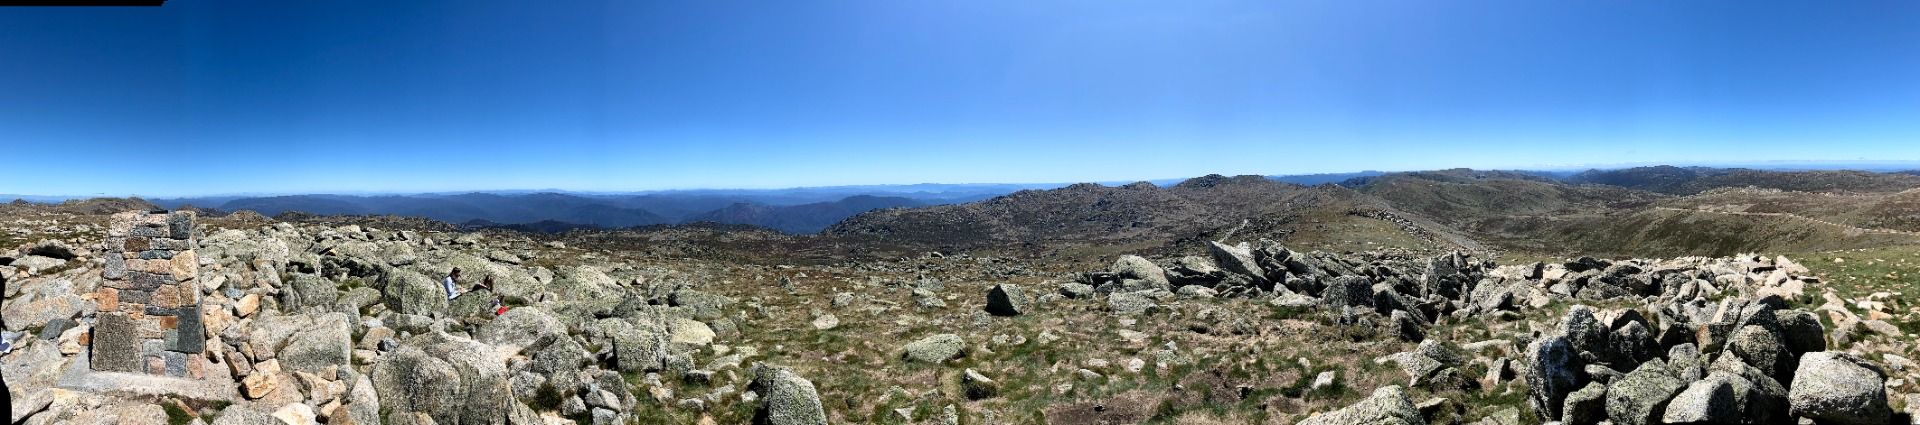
x: 1702, y: 340
x: 349, y: 324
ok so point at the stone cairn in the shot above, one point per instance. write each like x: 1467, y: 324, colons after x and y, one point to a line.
x: 149, y: 319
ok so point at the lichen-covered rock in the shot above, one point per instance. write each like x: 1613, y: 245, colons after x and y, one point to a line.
x: 1708, y: 401
x: 1443, y: 277
x: 1236, y: 259
x: 702, y: 305
x: 1130, y: 303
x: 1584, y: 332
x: 327, y: 342
x: 1801, y: 331
x: 354, y: 300
x: 363, y: 403
x: 1006, y: 299
x: 1076, y: 290
x: 1761, y: 348
x: 681, y: 330
x: 638, y: 345
x: 43, y: 309
x: 585, y: 282
x: 1640, y: 397
x: 521, y: 327
x: 1388, y: 405
x: 1762, y: 399
x: 1406, y: 327
x: 1553, y: 370
x: 1136, y: 273
x: 1586, y: 406
x: 1194, y: 270
x: 451, y: 379
x: 405, y: 291
x: 308, y: 293
x: 1838, y: 388
x: 1632, y: 343
x: 559, y: 360
x: 785, y: 398
x: 1347, y: 291
x: 304, y: 342
x: 936, y: 349
x: 1492, y: 295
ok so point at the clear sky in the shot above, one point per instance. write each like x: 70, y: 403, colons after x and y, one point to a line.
x: 209, y: 97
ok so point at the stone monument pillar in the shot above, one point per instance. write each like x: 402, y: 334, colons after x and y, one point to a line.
x: 149, y: 320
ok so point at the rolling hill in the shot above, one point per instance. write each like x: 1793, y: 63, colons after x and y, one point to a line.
x: 1692, y: 180
x: 1511, y: 211
x: 803, y: 218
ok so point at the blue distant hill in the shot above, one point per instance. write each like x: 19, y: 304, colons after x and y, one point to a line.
x: 799, y: 210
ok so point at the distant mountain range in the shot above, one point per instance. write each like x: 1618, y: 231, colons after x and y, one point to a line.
x: 792, y: 212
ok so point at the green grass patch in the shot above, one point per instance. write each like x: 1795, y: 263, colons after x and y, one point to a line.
x: 175, y: 414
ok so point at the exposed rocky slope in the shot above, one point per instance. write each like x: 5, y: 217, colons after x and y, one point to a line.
x: 341, y: 320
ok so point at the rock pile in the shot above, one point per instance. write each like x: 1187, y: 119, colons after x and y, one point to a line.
x: 349, y: 325
x: 1717, y: 340
x: 1751, y: 361
x: 1410, y: 293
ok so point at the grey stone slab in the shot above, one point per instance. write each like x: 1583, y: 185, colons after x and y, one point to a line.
x: 148, y: 232
x: 180, y: 225
x: 116, y: 348
x: 156, y: 254
x: 55, y: 327
x: 149, y: 281
x: 176, y: 363
x: 172, y: 244
x: 192, y: 335
x: 116, y: 266
x: 136, y: 296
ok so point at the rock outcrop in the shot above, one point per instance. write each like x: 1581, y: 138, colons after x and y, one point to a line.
x: 451, y: 379
x: 786, y: 398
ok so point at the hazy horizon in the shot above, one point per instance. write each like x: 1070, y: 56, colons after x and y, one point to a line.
x: 1777, y: 165
x: 197, y: 98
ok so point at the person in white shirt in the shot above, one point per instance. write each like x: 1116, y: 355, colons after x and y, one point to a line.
x: 449, y: 283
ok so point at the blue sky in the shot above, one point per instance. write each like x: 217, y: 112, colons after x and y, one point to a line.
x: 312, y: 96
